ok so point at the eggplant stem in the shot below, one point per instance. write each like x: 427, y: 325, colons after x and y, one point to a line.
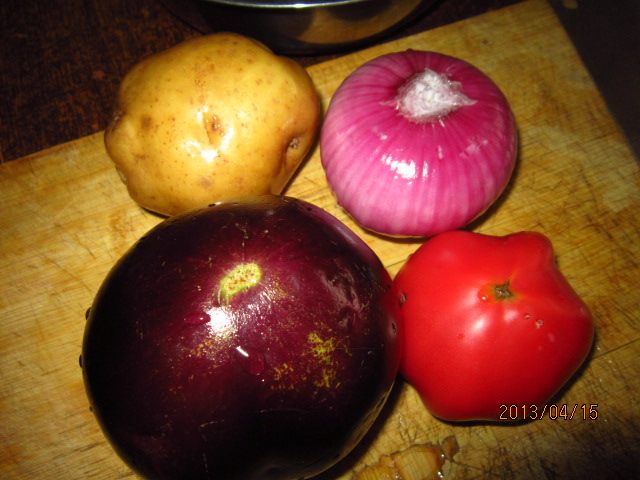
x: 242, y: 277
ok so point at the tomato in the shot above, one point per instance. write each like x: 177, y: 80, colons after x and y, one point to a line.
x: 488, y: 322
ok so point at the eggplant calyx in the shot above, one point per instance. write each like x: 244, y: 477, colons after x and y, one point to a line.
x: 240, y: 278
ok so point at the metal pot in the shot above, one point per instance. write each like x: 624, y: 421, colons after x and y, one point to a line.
x: 301, y: 27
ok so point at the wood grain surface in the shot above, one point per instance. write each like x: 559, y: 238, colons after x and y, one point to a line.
x: 66, y: 218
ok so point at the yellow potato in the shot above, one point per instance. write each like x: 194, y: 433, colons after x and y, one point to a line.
x: 213, y: 118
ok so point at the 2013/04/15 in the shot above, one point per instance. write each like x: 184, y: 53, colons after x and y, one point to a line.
x: 550, y: 411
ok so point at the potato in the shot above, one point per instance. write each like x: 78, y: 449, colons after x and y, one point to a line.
x: 213, y: 118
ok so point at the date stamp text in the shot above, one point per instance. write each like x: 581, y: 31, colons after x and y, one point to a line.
x: 562, y: 411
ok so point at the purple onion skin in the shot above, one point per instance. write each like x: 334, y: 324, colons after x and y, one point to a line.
x: 407, y: 177
x: 277, y: 381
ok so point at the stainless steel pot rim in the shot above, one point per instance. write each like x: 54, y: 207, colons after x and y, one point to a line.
x: 285, y: 4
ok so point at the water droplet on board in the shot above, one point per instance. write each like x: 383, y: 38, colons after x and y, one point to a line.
x: 251, y: 361
x: 450, y: 447
x: 196, y: 318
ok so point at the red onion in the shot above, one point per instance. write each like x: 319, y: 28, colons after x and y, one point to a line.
x: 415, y: 143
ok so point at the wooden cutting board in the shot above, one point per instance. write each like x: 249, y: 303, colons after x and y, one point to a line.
x: 66, y: 218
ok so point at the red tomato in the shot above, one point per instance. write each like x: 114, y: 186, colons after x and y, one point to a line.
x: 488, y: 322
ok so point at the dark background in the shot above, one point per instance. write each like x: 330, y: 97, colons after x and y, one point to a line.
x: 61, y: 61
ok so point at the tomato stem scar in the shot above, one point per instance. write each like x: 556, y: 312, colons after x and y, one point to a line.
x: 501, y: 291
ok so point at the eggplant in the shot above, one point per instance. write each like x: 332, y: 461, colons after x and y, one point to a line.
x: 254, y: 339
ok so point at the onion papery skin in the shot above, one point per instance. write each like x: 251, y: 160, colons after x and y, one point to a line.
x: 408, y: 177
